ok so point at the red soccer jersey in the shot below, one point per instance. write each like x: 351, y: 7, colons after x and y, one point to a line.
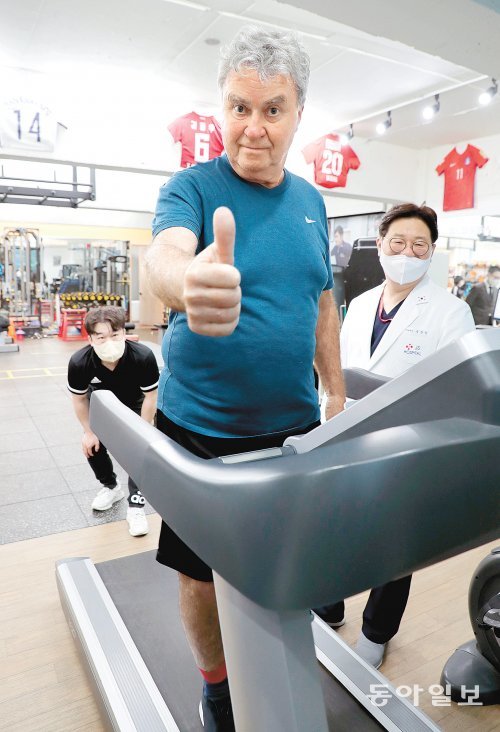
x: 459, y: 173
x: 199, y: 136
x: 332, y: 161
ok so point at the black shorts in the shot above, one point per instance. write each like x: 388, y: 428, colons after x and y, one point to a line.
x: 172, y: 551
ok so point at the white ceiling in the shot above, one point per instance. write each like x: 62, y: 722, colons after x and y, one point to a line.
x: 367, y: 57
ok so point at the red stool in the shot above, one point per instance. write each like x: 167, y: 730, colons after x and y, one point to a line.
x: 73, y: 320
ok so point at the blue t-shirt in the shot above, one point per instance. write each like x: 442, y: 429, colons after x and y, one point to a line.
x: 259, y: 379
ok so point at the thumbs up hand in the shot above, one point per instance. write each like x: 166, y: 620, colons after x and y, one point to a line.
x: 212, y: 293
x: 224, y: 235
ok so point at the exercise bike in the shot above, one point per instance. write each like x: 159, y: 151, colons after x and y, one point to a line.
x: 473, y: 671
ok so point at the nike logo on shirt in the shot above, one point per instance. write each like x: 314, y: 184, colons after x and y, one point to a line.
x: 309, y: 221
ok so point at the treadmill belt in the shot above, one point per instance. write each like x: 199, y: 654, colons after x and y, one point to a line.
x: 343, y: 712
x: 146, y: 596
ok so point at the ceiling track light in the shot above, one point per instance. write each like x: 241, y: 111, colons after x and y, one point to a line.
x: 382, y: 127
x: 431, y: 110
x: 345, y: 137
x: 486, y: 96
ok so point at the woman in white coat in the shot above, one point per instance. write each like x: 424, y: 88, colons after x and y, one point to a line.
x: 386, y: 330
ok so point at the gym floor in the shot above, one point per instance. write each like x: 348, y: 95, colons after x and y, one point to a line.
x: 45, y: 494
x: 47, y: 485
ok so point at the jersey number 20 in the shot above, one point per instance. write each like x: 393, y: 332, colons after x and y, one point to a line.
x: 332, y: 162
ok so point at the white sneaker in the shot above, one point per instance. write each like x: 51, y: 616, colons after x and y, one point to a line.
x: 137, y: 522
x: 106, y: 497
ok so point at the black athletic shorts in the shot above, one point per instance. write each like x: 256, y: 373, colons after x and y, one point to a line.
x: 172, y: 551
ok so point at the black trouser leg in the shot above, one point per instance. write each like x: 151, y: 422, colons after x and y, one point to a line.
x: 135, y: 497
x: 384, y: 610
x: 101, y: 464
x: 331, y: 613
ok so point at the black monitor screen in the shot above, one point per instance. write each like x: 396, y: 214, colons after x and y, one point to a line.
x: 496, y: 310
x: 364, y: 270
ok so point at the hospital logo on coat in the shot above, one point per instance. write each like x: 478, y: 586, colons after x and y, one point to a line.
x: 411, y: 350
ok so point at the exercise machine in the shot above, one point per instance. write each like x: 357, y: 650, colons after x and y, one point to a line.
x: 285, y: 530
x: 474, y: 668
x: 364, y: 270
x: 7, y: 344
x: 111, y: 269
x: 21, y: 253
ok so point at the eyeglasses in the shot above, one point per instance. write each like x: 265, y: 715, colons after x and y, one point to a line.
x: 419, y: 247
x: 116, y: 335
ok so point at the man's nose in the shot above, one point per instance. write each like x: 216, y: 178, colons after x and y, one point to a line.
x: 255, y: 126
x: 408, y: 250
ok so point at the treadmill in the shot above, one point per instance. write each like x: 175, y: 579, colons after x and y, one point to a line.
x: 405, y: 477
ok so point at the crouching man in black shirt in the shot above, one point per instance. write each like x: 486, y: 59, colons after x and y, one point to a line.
x: 130, y: 371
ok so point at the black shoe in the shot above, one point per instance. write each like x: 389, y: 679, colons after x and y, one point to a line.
x: 217, y: 714
x: 331, y: 615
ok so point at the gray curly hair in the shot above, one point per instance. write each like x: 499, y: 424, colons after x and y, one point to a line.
x: 271, y: 53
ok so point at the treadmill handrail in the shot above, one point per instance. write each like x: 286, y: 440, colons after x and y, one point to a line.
x: 104, y: 402
x: 476, y: 343
x: 324, y: 503
x: 360, y: 382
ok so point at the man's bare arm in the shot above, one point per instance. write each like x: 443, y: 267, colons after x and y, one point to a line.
x: 205, y: 286
x: 167, y: 260
x: 90, y: 441
x: 327, y: 356
x: 148, y: 409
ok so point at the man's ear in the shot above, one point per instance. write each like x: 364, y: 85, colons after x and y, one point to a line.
x: 299, y: 117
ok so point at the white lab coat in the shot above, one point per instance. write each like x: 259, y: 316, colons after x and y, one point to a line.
x: 428, y: 319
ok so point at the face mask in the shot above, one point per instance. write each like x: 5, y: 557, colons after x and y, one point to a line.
x: 402, y: 269
x: 110, y: 351
x: 493, y: 282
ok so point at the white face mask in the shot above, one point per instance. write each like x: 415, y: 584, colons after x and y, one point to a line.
x: 402, y: 269
x: 110, y: 351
